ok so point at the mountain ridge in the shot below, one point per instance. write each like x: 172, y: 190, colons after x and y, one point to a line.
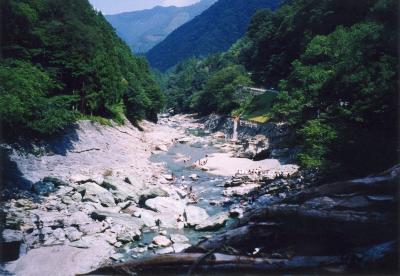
x: 215, y: 30
x: 142, y: 30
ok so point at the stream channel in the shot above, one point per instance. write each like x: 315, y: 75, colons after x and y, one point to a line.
x: 207, y: 188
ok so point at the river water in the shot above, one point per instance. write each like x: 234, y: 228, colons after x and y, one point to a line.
x: 208, y: 188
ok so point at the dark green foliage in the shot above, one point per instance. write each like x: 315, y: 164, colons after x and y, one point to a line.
x: 342, y: 96
x: 335, y: 63
x: 215, y: 30
x: 207, y: 86
x: 275, y: 40
x: 25, y: 103
x: 90, y: 69
x: 219, y: 94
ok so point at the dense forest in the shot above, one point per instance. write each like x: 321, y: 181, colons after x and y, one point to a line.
x: 335, y: 65
x: 61, y: 61
x: 214, y: 31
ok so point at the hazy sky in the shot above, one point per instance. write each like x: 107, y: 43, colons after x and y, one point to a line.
x: 117, y: 6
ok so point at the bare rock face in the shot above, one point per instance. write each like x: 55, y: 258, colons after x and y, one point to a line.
x: 62, y: 258
x: 256, y: 148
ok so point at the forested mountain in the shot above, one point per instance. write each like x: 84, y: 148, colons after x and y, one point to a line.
x: 215, y: 30
x: 60, y: 61
x: 142, y: 30
x: 335, y: 65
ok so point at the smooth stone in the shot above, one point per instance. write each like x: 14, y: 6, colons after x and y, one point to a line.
x: 213, y: 223
x: 97, y: 194
x: 179, y: 247
x: 166, y: 250
x: 72, y: 234
x: 77, y: 197
x: 166, y: 205
x: 177, y: 238
x: 77, y: 219
x: 195, y: 215
x: 162, y: 241
x: 67, y: 200
x: 59, y: 234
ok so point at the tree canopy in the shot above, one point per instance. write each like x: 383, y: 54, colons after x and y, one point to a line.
x: 334, y: 64
x: 81, y: 65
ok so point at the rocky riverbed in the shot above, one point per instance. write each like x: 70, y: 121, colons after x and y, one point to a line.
x: 102, y: 194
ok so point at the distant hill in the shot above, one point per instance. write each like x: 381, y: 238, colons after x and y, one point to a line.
x: 215, y: 30
x: 141, y: 30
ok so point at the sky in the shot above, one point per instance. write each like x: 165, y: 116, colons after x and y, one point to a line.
x: 118, y: 6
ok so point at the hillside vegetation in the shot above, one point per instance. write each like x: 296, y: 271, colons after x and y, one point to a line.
x: 335, y: 65
x: 142, y: 30
x: 214, y: 31
x: 61, y: 61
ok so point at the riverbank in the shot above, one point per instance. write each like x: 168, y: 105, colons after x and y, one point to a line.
x: 93, y: 169
x: 104, y: 195
x: 97, y: 191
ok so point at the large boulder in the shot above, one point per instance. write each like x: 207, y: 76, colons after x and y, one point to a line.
x: 148, y: 217
x: 151, y: 193
x: 166, y: 205
x: 179, y: 247
x: 195, y: 215
x: 213, y: 223
x: 72, y: 234
x: 97, y: 194
x: 177, y: 238
x: 62, y: 259
x: 77, y: 219
x: 122, y: 190
x: 169, y: 212
x: 162, y: 241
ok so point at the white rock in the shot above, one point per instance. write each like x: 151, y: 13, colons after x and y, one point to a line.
x: 177, y: 238
x: 96, y: 193
x: 195, y: 215
x: 168, y: 177
x: 162, y: 241
x: 161, y: 148
x: 213, y: 223
x: 166, y: 205
x: 59, y: 234
x: 179, y: 247
x: 72, y: 233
